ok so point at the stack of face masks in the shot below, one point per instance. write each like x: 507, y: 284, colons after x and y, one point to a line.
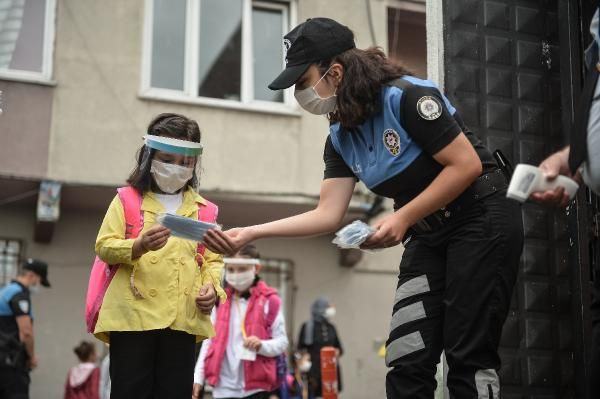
x: 183, y: 227
x: 353, y: 235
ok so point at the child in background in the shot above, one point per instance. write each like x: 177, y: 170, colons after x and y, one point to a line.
x: 241, y: 361
x: 83, y: 380
x: 157, y: 306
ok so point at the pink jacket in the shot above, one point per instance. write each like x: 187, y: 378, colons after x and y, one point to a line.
x: 261, y: 373
x: 83, y: 382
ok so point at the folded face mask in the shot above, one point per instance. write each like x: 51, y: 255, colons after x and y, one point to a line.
x: 353, y: 235
x: 182, y: 227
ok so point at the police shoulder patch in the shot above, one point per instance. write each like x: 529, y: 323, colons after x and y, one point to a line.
x: 391, y: 140
x: 24, y: 305
x: 429, y: 108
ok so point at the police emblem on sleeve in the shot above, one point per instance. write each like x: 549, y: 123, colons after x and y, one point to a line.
x: 391, y: 140
x: 24, y: 306
x: 429, y: 108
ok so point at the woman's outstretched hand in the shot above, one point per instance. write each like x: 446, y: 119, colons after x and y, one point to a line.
x: 227, y: 242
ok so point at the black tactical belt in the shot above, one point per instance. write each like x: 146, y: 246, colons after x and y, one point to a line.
x: 483, y: 187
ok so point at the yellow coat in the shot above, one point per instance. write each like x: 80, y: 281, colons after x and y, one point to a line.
x: 168, y: 279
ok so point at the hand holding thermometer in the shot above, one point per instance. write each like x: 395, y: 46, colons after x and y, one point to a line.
x: 527, y: 179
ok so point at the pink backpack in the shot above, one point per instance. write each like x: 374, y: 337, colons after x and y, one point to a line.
x: 103, y: 273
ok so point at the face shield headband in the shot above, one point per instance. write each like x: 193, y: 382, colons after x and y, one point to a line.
x: 176, y: 147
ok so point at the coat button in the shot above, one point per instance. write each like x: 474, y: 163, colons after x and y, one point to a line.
x: 186, y: 291
x: 153, y: 259
x: 182, y: 260
x: 152, y: 292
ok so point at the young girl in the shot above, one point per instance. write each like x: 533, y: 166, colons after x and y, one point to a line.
x: 241, y: 361
x: 463, y: 238
x: 158, y: 303
x: 83, y: 380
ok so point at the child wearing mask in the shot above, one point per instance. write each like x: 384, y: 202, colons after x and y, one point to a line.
x: 315, y: 334
x: 158, y: 304
x: 83, y: 379
x: 241, y: 361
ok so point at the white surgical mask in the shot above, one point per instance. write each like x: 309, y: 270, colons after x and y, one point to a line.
x: 305, y: 367
x: 34, y: 289
x: 329, y: 313
x: 241, y: 281
x: 170, y: 178
x: 312, y: 102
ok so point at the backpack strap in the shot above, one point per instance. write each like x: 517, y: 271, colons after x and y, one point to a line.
x: 206, y: 213
x: 132, y: 207
x: 134, y: 222
x: 274, y: 305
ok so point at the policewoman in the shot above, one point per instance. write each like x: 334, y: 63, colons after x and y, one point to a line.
x: 402, y: 137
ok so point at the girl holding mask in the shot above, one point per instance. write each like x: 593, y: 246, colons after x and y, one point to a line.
x: 158, y: 303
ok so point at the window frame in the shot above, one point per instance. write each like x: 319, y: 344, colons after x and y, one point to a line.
x: 45, y: 76
x: 3, y: 278
x: 191, y: 61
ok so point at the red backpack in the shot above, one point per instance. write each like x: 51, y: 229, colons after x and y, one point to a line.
x: 102, y: 273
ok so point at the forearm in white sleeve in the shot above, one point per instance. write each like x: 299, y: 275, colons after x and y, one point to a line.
x: 279, y: 343
x: 199, y: 369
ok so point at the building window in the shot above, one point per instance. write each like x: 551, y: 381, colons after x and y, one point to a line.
x: 221, y: 51
x: 10, y: 256
x: 26, y: 39
x: 407, y: 39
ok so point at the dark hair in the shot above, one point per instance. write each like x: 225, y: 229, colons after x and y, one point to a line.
x: 250, y: 251
x: 365, y: 72
x: 84, y: 351
x: 169, y: 125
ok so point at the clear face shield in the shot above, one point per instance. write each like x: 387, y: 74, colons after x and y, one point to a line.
x: 175, y: 162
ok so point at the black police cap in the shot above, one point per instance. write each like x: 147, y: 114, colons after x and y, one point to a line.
x: 312, y: 41
x: 38, y: 267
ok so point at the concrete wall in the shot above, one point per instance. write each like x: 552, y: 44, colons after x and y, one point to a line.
x: 24, y: 129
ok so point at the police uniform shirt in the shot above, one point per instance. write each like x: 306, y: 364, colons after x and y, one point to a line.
x: 392, y: 151
x: 15, y: 300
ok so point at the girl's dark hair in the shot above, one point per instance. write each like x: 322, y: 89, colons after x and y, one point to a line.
x: 365, y: 72
x: 84, y: 351
x: 250, y: 251
x: 169, y: 125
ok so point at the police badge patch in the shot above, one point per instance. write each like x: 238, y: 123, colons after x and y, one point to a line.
x: 24, y: 305
x: 391, y: 140
x: 429, y: 108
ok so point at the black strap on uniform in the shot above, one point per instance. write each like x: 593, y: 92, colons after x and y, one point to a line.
x: 400, y: 83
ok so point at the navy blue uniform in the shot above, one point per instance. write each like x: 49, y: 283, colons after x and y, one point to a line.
x: 457, y: 276
x: 15, y: 301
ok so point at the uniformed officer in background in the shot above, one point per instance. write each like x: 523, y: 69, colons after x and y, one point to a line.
x: 17, y: 354
x: 463, y: 238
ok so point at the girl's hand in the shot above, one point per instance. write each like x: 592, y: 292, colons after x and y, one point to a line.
x: 228, y: 242
x: 197, y: 388
x: 253, y: 343
x: 206, y: 298
x: 389, y: 232
x: 152, y: 240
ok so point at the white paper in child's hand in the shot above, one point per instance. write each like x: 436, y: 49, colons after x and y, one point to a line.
x: 247, y: 354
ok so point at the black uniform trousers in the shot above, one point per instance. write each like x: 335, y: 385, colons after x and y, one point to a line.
x: 454, y: 292
x: 155, y: 364
x: 14, y: 383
